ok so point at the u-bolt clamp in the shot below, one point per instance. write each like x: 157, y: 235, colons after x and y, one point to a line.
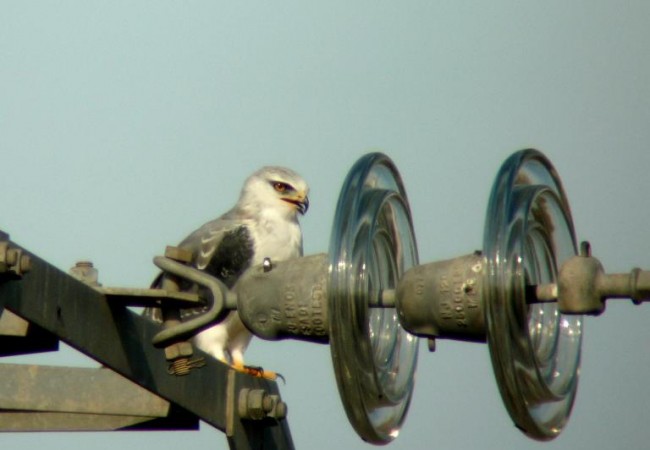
x: 221, y: 301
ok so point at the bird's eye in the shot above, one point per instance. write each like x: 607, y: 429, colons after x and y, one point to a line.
x: 281, y: 187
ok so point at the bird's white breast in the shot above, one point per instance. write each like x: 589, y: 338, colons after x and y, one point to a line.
x: 277, y: 238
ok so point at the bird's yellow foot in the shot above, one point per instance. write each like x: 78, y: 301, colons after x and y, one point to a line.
x: 257, y: 371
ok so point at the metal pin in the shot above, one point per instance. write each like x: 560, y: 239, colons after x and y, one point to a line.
x: 541, y: 293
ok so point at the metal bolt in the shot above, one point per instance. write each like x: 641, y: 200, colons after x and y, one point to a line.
x: 12, y: 256
x: 4, y: 267
x: 85, y: 272
x: 178, y: 350
x: 251, y: 404
x: 13, y: 260
x: 179, y: 355
x: 257, y: 404
x: 281, y: 410
x: 183, y: 366
x: 25, y: 263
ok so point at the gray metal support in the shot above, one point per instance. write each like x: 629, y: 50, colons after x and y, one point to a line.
x: 121, y: 340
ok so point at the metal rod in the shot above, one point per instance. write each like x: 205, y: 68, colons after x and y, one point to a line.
x: 634, y: 285
x: 541, y: 293
x: 385, y: 299
x: 150, y: 297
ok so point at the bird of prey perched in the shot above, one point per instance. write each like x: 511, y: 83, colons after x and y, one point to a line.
x: 263, y: 224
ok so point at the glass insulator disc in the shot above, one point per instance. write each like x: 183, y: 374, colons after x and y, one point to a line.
x: 535, y: 350
x: 371, y: 246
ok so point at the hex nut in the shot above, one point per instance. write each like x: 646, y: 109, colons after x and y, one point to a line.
x: 257, y: 404
x: 251, y: 404
x: 178, y: 350
x: 25, y: 264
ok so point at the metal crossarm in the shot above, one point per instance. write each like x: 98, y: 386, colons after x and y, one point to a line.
x: 121, y: 340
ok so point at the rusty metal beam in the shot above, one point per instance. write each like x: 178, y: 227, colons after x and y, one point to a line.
x: 75, y: 390
x: 50, y: 421
x: 46, y: 398
x: 121, y: 340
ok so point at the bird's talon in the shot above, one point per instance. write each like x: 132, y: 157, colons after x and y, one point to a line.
x: 259, y: 372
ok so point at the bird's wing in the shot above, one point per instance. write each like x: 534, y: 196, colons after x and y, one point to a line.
x: 204, y: 241
x: 222, y: 247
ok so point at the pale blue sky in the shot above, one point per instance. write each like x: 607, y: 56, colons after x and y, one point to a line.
x: 125, y: 125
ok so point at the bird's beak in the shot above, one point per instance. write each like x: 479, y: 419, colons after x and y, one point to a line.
x: 300, y: 201
x: 303, y: 206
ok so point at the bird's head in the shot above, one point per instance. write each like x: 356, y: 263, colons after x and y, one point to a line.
x: 278, y: 188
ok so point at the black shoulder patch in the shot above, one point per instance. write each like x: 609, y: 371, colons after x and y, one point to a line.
x: 232, y: 257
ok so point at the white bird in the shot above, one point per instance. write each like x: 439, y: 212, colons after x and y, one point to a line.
x: 263, y: 224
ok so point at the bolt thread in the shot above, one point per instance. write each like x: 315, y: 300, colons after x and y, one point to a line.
x: 180, y: 367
